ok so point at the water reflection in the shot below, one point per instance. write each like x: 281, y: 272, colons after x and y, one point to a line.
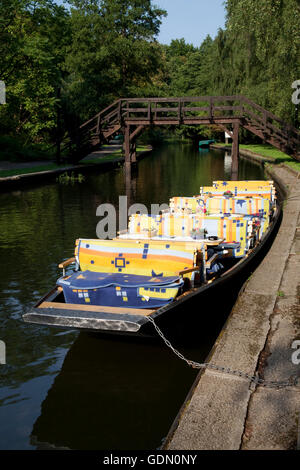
x: 111, y: 394
x: 38, y: 228
x: 227, y: 165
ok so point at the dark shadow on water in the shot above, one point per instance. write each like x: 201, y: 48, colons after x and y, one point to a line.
x: 115, y: 401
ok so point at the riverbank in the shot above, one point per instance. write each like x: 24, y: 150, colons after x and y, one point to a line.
x: 16, y: 174
x: 224, y: 412
x: 262, y: 153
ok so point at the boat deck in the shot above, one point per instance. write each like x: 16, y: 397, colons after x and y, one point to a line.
x: 96, y: 308
x: 53, y: 312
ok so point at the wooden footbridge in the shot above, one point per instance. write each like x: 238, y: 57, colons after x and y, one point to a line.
x: 130, y: 116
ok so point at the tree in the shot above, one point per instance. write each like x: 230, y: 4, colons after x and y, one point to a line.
x: 176, y: 55
x: 32, y: 46
x: 113, y: 53
x: 264, y: 40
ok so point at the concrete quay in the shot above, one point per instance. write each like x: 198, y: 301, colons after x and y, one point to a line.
x: 224, y: 412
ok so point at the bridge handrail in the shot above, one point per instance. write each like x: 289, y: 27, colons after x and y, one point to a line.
x: 156, y: 105
x: 120, y: 103
x: 184, y: 108
x: 270, y: 115
x: 103, y: 111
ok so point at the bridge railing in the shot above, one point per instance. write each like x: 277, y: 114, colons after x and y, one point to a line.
x: 103, y: 118
x: 270, y: 124
x: 179, y: 109
x: 187, y: 110
x: 89, y: 133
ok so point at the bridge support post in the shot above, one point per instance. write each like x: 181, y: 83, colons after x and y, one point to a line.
x: 133, y: 152
x: 130, y: 144
x: 235, y: 151
x: 127, y: 147
x: 130, y: 158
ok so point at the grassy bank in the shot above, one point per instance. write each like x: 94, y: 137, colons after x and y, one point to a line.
x: 23, y: 171
x: 102, y: 159
x: 266, y: 150
x: 112, y: 156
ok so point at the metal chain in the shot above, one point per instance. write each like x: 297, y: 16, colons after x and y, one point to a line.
x: 292, y: 382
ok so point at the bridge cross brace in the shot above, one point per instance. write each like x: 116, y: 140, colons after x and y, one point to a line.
x: 129, y: 146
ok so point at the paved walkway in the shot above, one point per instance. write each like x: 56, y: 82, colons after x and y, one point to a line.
x: 103, y: 152
x: 97, y: 155
x: 225, y: 412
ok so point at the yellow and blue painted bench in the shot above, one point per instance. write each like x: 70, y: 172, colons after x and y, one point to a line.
x: 232, y: 229
x: 220, y: 205
x: 137, y: 263
x: 265, y: 189
x: 119, y: 290
x: 193, y: 204
x: 210, y: 191
x: 140, y: 274
x: 258, y: 184
x: 129, y: 257
x: 246, y: 187
x: 258, y: 206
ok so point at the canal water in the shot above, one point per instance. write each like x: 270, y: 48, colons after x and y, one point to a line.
x: 64, y: 389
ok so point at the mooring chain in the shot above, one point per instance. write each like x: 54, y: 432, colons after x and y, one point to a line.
x: 225, y: 370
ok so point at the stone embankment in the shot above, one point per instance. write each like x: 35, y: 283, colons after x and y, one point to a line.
x: 261, y: 336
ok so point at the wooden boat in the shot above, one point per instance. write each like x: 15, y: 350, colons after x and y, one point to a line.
x: 163, y: 263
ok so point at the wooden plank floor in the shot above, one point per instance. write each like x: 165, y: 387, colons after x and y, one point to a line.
x: 97, y: 308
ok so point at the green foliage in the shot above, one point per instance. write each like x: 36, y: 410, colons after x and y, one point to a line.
x: 268, y: 151
x: 264, y: 40
x: 34, y: 169
x: 113, y: 52
x: 277, y: 155
x: 32, y: 52
x: 16, y: 150
x: 65, y: 178
x: 62, y: 65
x: 153, y: 136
